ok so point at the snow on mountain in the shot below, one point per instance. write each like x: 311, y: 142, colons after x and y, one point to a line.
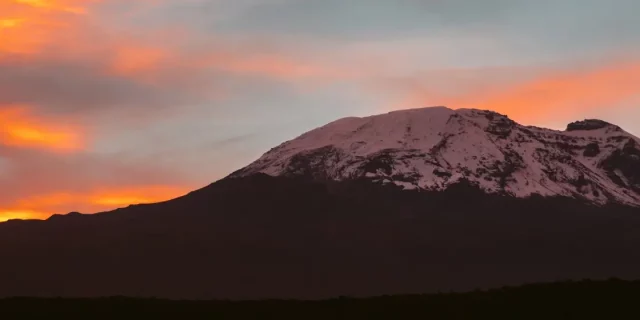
x: 434, y: 148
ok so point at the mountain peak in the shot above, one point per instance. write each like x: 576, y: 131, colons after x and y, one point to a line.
x: 432, y: 149
x: 590, y: 124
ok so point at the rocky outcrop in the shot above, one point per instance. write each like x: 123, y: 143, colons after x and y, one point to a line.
x: 589, y: 124
x: 499, y: 125
x: 591, y: 150
x: 623, y: 165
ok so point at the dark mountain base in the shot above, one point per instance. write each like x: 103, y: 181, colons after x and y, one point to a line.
x: 612, y: 299
x: 263, y: 237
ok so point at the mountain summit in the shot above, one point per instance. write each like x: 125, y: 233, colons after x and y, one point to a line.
x: 434, y: 148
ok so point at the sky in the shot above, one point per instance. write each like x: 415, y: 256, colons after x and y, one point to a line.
x: 105, y: 103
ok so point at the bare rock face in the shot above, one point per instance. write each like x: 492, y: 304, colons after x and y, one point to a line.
x: 499, y: 125
x: 591, y: 150
x: 623, y: 165
x: 432, y: 149
x: 589, y: 124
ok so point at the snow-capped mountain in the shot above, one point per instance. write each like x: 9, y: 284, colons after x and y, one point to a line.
x: 434, y: 148
x: 328, y: 214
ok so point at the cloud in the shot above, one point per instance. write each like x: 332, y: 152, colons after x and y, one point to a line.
x: 60, y: 5
x: 29, y: 26
x: 56, y: 56
x: 42, y: 183
x: 62, y: 60
x: 6, y: 215
x: 274, y: 66
x: 20, y: 128
x: 526, y: 94
x: 132, y: 60
x: 43, y: 206
x: 562, y: 92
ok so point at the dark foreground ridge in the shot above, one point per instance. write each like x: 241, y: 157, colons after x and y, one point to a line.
x: 612, y: 299
x: 263, y: 237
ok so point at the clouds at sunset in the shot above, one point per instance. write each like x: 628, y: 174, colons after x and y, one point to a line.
x: 43, y: 205
x: 46, y: 181
x: 19, y: 128
x: 29, y: 26
x: 105, y: 102
x: 532, y: 95
x: 565, y: 92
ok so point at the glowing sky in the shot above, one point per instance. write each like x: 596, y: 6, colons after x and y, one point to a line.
x: 104, y: 103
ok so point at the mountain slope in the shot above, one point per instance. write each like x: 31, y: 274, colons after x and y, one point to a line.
x: 434, y: 148
x: 272, y: 237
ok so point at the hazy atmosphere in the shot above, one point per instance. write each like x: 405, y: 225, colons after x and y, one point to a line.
x: 104, y: 103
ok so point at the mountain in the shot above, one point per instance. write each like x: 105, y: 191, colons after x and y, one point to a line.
x: 412, y: 201
x: 433, y: 148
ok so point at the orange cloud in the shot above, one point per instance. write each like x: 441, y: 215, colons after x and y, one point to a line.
x: 247, y: 62
x: 140, y: 62
x: 138, y: 195
x: 276, y: 67
x: 51, y: 30
x: 10, y: 23
x: 65, y: 30
x: 43, y: 206
x: 564, y: 92
x: 66, y: 6
x: 19, y: 128
x: 6, y: 215
x: 26, y: 26
x: 136, y: 60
